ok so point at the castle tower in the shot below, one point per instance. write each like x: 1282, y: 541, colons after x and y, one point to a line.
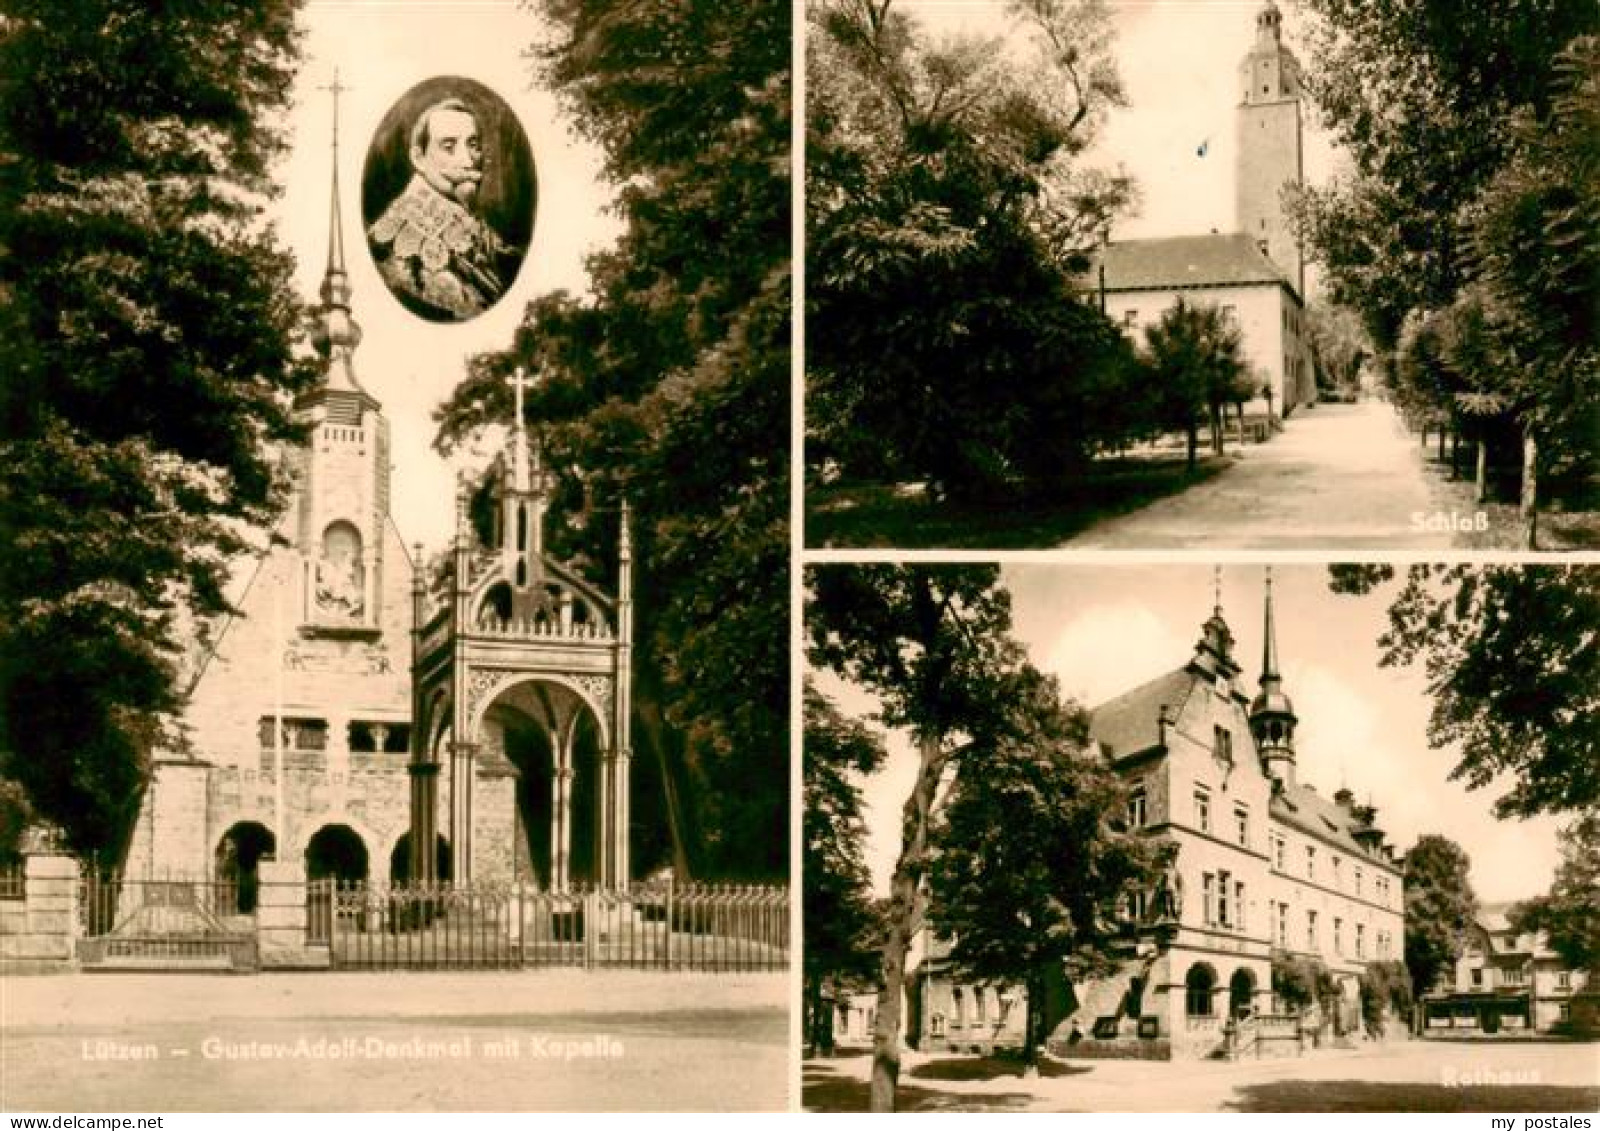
x: 344, y: 480
x: 1272, y: 717
x: 1270, y: 154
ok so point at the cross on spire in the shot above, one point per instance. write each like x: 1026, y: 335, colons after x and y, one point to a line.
x: 520, y: 382
x: 1216, y: 585
x: 336, y: 229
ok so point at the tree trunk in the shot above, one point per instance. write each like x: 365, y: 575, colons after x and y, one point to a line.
x: 1441, y: 441
x: 1194, y: 443
x: 901, y: 924
x: 1216, y: 430
x: 1480, y: 479
x: 1530, y: 486
x: 1030, y: 1028
x: 1455, y: 453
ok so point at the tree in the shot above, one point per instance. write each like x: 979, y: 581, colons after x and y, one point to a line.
x: 147, y: 334
x: 1569, y: 913
x: 669, y: 385
x: 1193, y: 355
x: 1385, y: 991
x: 1301, y: 982
x: 1439, y: 906
x: 949, y: 227
x: 1512, y: 667
x: 933, y: 644
x: 1338, y: 341
x: 841, y: 921
x: 1033, y: 859
x: 1471, y: 134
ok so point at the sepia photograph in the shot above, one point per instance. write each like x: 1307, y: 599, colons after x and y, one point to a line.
x: 394, y: 590
x: 1182, y: 838
x: 1173, y: 274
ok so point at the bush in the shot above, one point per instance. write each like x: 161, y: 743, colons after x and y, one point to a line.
x: 1301, y: 982
x: 1385, y: 989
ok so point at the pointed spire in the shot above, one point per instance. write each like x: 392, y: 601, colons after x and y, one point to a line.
x: 625, y: 538
x: 336, y: 334
x: 520, y: 468
x: 1269, y: 644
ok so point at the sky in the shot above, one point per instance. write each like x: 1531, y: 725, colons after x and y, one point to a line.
x: 381, y: 50
x: 1103, y: 630
x: 1178, y: 61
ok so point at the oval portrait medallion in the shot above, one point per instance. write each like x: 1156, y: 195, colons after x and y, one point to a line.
x: 448, y: 194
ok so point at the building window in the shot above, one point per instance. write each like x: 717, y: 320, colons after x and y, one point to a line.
x: 957, y: 1008
x: 1223, y: 749
x: 1311, y: 930
x: 1338, y: 935
x: 1311, y: 861
x: 1199, y: 986
x: 1136, y: 808
x: 980, y: 1005
x: 1222, y: 900
x: 1513, y: 976
x: 1361, y: 940
x: 1229, y: 312
x: 1208, y: 890
x: 1563, y: 979
x: 1278, y: 845
x: 1477, y: 978
x: 1358, y: 881
x: 298, y: 734
x: 1283, y: 925
x: 1241, y: 825
x: 1337, y: 874
x: 1202, y: 809
x: 1238, y: 905
x: 1130, y: 318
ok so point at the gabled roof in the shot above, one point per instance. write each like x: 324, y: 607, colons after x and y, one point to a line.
x: 1301, y: 807
x: 1129, y: 723
x: 1226, y: 259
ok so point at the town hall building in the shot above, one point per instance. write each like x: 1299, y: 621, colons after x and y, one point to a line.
x: 1256, y: 273
x: 369, y: 717
x: 1265, y: 864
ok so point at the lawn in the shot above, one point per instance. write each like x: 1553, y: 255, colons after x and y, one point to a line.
x: 873, y: 515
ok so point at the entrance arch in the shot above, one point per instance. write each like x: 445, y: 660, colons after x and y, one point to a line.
x: 336, y: 852
x: 549, y: 736
x: 1198, y: 987
x: 400, y: 860
x: 1242, y: 992
x: 238, y: 857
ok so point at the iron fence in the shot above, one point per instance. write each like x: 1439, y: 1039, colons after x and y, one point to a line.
x: 128, y: 921
x: 696, y: 927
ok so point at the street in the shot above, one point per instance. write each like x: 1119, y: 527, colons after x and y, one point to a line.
x: 1339, y: 476
x: 548, y: 1040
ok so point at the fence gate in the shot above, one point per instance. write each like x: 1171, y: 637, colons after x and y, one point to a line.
x: 515, y: 925
x: 173, y: 923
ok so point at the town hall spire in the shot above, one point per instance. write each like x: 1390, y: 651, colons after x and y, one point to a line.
x: 1272, y: 717
x: 336, y: 334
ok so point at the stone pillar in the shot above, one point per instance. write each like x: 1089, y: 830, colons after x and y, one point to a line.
x: 561, y: 826
x: 605, y: 860
x: 624, y: 815
x: 40, y: 932
x: 462, y: 759
x: 281, y: 919
x: 424, y: 822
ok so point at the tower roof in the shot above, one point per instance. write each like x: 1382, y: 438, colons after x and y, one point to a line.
x: 1172, y: 262
x: 335, y: 333
x: 1272, y: 698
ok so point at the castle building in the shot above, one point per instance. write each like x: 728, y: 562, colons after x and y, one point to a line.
x: 1256, y: 273
x: 1265, y: 866
x: 371, y: 720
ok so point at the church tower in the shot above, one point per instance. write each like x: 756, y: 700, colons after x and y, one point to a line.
x: 1270, y: 152
x: 1272, y: 717
x: 344, y: 482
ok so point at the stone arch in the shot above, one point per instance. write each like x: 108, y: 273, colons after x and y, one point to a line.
x: 1199, y: 989
x: 511, y: 680
x: 307, y: 832
x: 238, y: 854
x: 400, y: 859
x: 1242, y: 992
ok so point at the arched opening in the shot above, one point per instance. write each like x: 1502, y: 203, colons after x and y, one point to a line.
x: 1242, y: 992
x: 400, y: 860
x: 1198, y: 986
x: 341, y: 573
x: 239, y: 854
x: 336, y: 853
x: 496, y: 605
x: 552, y: 742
